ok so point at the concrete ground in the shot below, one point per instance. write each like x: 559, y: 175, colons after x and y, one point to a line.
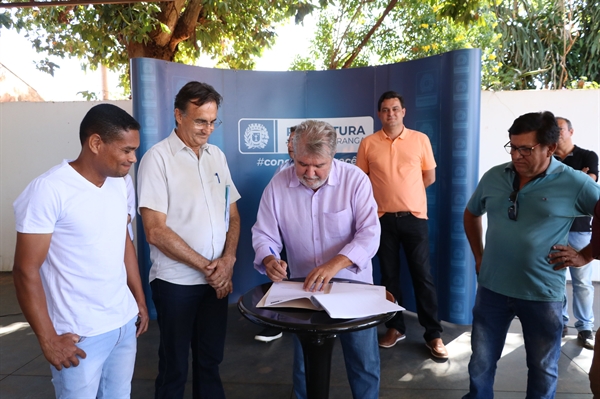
x: 253, y: 369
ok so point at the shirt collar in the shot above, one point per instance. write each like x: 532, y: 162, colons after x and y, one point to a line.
x: 334, y: 176
x: 177, y: 145
x: 568, y: 155
x: 332, y: 180
x: 555, y: 166
x: 403, y: 135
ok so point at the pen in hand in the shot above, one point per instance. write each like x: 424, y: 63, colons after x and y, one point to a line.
x: 278, y: 260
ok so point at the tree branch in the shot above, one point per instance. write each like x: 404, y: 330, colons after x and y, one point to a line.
x: 187, y: 23
x: 333, y: 63
x: 169, y: 14
x: 367, y: 37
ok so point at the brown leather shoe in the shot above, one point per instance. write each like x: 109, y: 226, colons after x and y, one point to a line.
x: 437, y: 348
x: 390, y: 338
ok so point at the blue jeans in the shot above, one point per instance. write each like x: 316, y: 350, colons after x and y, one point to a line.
x: 361, y: 356
x: 106, y: 371
x: 542, y: 329
x: 189, y: 317
x: 583, y: 289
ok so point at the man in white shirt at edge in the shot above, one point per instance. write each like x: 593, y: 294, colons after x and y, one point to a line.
x: 75, y: 270
x: 187, y: 202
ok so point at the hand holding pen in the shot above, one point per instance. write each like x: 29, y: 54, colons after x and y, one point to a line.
x: 275, y: 268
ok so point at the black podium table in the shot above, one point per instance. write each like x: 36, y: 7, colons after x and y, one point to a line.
x: 315, y: 329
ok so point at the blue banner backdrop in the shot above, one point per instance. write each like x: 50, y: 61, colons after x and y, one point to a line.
x: 442, y: 96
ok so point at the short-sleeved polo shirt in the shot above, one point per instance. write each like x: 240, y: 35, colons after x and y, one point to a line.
x: 395, y: 168
x: 515, y: 258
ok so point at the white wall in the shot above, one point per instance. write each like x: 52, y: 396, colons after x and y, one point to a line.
x: 34, y: 136
x: 37, y: 136
x: 499, y: 110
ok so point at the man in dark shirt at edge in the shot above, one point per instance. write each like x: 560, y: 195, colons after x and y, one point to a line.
x: 579, y: 236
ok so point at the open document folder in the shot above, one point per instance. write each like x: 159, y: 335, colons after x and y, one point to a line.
x: 339, y: 300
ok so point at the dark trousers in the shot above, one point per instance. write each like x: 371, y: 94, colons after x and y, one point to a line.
x: 189, y: 316
x: 412, y: 234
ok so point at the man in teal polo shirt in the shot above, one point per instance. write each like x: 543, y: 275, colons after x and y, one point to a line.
x: 531, y: 203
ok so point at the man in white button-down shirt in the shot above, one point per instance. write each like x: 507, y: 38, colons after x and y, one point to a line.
x: 188, y: 206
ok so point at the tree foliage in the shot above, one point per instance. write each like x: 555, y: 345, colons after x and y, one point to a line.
x: 548, y: 43
x: 524, y: 43
x: 233, y: 32
x: 397, y: 30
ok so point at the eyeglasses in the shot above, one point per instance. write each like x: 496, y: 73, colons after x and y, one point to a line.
x: 513, y: 210
x: 202, y: 124
x: 524, y: 151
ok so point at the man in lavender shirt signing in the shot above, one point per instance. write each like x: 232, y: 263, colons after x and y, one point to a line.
x: 324, y: 212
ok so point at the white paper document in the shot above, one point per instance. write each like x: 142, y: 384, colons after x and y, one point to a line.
x: 339, y: 300
x: 349, y: 305
x: 290, y: 294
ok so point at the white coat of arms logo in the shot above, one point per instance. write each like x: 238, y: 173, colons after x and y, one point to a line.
x: 256, y: 136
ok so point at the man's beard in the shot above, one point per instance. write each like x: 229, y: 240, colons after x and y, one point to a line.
x: 317, y: 183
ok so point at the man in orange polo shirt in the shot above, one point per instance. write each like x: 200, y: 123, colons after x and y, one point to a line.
x: 400, y: 164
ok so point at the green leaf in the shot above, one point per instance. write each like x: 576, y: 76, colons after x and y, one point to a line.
x: 233, y: 32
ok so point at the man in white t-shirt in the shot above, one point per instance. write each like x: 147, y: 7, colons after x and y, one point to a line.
x: 75, y: 269
x: 187, y: 202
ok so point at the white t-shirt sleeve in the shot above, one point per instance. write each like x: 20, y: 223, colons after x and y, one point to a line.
x: 37, y: 208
